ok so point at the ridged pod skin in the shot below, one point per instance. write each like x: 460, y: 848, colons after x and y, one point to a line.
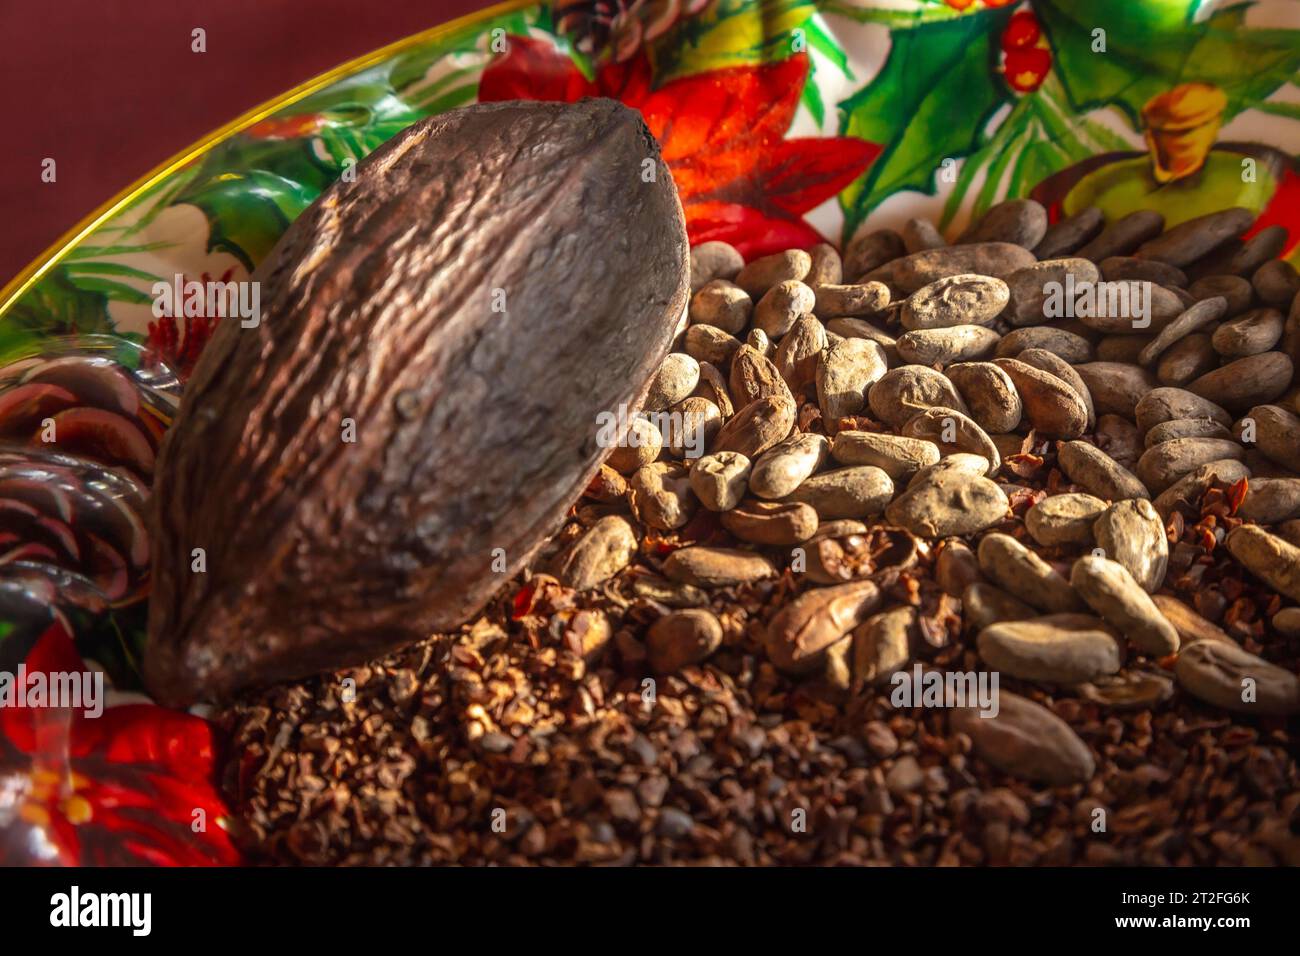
x: 474, y: 429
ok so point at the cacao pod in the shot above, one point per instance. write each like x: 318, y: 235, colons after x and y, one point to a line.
x: 493, y: 280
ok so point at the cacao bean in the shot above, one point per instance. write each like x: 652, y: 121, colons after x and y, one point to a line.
x: 800, y: 633
x: 1064, y: 519
x: 834, y: 301
x: 706, y: 567
x: 1271, y: 559
x: 896, y: 456
x: 1067, y: 235
x: 959, y: 343
x: 871, y: 250
x: 962, y: 299
x: 793, y: 265
x: 1132, y: 534
x: 714, y: 260
x: 1021, y: 221
x: 783, y: 467
x: 1096, y: 471
x: 1256, y: 331
x: 756, y: 427
x: 606, y: 548
x: 912, y: 272
x: 720, y: 480
x: 771, y: 523
x: 989, y: 393
x: 853, y: 492
x: 681, y: 639
x: 1254, y: 380
x: 948, y: 503
x: 902, y: 392
x: 1027, y: 740
x: 1124, y: 235
x: 881, y: 646
x: 1020, y: 572
x: 781, y: 306
x: 1186, y: 242
x: 1058, y: 649
x: 1231, y: 678
x: 1111, y: 592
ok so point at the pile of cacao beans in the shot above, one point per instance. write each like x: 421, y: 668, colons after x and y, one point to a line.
x: 1105, y: 375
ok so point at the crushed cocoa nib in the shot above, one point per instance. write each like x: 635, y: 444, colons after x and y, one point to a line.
x: 519, y: 740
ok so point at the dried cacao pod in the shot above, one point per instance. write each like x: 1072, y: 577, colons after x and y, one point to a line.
x: 475, y: 429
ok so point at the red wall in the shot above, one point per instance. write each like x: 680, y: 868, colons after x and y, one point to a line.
x: 110, y: 88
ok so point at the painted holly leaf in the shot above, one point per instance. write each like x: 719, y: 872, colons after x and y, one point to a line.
x: 132, y: 786
x: 1038, y: 138
x: 929, y: 102
x: 249, y: 210
x: 721, y: 134
x: 1150, y: 48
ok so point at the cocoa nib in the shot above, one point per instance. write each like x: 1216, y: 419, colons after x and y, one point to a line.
x: 436, y: 342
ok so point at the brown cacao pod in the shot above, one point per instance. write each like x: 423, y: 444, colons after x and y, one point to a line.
x: 473, y: 429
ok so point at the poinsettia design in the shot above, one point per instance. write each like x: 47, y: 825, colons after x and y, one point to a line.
x: 721, y: 133
x: 178, y: 345
x: 132, y: 786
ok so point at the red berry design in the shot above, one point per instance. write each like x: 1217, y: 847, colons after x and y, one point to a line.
x: 1022, y: 32
x: 1026, y: 69
x: 960, y: 4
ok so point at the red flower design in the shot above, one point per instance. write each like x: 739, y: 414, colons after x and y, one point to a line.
x: 293, y: 126
x: 179, y: 347
x: 122, y: 788
x: 1283, y: 209
x: 721, y: 134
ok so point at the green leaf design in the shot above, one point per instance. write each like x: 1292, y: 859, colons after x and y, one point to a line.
x: 54, y: 306
x: 930, y: 101
x: 811, y: 97
x: 828, y: 46
x: 1152, y: 47
x: 116, y: 641
x: 1289, y: 110
x: 90, y: 251
x: 1036, y: 139
x: 930, y: 11
x: 249, y: 211
x: 111, y: 289
x: 353, y: 118
x: 81, y: 268
x: 729, y: 33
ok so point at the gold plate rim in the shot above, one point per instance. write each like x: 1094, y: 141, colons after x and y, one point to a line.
x: 32, y: 273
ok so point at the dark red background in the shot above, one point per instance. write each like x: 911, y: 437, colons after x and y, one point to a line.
x: 110, y: 88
